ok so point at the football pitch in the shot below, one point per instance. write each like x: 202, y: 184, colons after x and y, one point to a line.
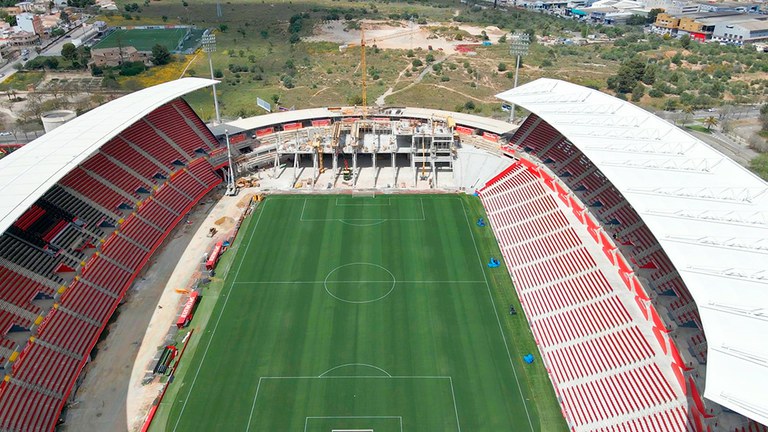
x: 354, y: 313
x: 143, y: 39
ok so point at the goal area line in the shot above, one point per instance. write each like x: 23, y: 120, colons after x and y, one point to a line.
x: 307, y: 419
x: 395, y: 423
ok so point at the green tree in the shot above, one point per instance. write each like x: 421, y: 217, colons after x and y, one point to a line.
x: 502, y: 67
x: 629, y: 73
x: 710, y: 121
x: 764, y: 116
x: 688, y: 112
x: 685, y: 41
x: 160, y: 55
x: 653, y: 14
x: 69, y: 51
x: 638, y: 92
x: 80, y: 3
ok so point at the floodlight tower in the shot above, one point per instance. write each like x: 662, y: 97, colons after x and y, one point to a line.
x: 209, y: 46
x: 519, y: 43
x: 231, y: 190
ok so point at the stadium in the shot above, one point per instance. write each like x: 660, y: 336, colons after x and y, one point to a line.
x: 373, y: 276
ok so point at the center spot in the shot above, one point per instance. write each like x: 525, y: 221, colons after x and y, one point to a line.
x: 359, y: 283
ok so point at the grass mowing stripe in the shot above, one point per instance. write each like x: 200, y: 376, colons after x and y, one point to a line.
x: 496, y: 312
x: 284, y: 350
x: 221, y: 313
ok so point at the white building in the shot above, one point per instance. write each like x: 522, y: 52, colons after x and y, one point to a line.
x: 30, y: 23
x: 741, y: 32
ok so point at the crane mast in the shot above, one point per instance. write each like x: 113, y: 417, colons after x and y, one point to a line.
x: 364, y: 71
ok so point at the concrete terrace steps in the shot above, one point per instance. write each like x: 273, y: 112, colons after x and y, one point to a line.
x: 79, y: 316
x: 29, y: 274
x: 636, y: 415
x: 115, y: 263
x: 148, y: 182
x: 58, y: 349
x: 174, y: 187
x: 194, y: 127
x: 559, y: 253
x: 114, y: 213
x: 18, y: 310
x: 519, y: 222
x: 633, y: 368
x: 127, y: 195
x: 168, y: 139
x: 132, y: 241
x: 141, y: 151
x: 98, y: 288
x: 35, y: 388
x: 191, y: 174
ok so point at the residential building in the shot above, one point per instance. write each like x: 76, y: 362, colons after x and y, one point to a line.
x: 665, y: 24
x: 16, y: 37
x: 25, y: 6
x: 111, y: 57
x: 30, y: 23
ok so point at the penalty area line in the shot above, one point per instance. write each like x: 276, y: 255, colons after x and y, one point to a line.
x: 355, y: 282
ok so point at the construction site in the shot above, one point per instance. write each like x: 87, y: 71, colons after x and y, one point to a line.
x: 346, y: 148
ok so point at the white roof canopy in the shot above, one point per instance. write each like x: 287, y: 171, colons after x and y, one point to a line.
x: 709, y: 214
x: 27, y: 173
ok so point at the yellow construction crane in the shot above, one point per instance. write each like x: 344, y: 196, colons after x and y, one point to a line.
x: 319, y: 148
x: 364, y: 71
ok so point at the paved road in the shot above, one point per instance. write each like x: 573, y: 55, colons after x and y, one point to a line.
x: 738, y: 152
x: 52, y: 50
x: 732, y: 112
x: 55, y: 48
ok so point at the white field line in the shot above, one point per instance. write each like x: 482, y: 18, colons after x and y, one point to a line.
x: 218, y: 320
x: 258, y: 387
x: 355, y: 282
x: 493, y: 304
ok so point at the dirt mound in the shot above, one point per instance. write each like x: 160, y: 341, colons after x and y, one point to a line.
x: 244, y: 201
x: 226, y: 220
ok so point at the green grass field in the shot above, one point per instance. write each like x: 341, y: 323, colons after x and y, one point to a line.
x: 351, y: 312
x: 143, y: 39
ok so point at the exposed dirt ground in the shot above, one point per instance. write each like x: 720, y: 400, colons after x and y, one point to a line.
x: 112, y: 396
x: 390, y: 35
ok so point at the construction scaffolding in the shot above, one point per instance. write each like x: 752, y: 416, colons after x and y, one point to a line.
x: 350, y: 144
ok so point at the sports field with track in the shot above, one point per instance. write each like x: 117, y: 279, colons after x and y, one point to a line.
x: 343, y: 312
x: 143, y: 39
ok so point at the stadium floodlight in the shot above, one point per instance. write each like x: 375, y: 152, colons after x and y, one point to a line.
x: 209, y: 46
x: 231, y: 190
x: 518, y: 47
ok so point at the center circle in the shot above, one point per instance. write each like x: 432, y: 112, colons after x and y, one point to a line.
x: 359, y: 283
